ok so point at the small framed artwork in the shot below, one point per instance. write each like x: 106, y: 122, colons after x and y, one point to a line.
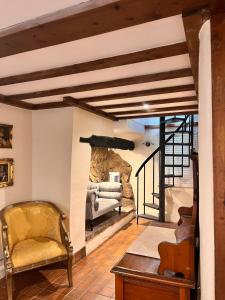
x: 6, y: 172
x: 6, y: 136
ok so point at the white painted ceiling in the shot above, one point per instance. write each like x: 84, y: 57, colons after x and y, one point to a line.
x: 16, y: 11
x: 149, y: 35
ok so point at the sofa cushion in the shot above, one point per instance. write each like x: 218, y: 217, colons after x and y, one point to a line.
x: 110, y: 187
x: 36, y: 250
x: 110, y: 195
x: 106, y: 204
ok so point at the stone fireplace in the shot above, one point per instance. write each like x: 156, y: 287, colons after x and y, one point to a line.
x: 103, y: 161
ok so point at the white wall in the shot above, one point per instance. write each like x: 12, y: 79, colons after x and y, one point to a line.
x: 21, y: 153
x: 85, y: 124
x: 206, y: 166
x: 51, y: 156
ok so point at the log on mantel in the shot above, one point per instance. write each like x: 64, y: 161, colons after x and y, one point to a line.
x: 108, y: 142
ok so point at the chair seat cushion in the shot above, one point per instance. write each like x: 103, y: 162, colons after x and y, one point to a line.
x: 36, y: 250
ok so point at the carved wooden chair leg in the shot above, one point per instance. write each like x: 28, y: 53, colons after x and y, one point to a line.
x: 69, y: 271
x: 9, y: 284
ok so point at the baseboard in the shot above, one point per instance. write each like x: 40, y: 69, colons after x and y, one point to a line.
x: 79, y: 255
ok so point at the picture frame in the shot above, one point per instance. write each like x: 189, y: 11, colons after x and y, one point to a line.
x: 6, y: 172
x: 6, y: 136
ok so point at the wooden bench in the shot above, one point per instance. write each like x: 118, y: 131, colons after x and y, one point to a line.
x: 171, y: 274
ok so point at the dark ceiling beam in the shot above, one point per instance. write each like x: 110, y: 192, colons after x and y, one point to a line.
x: 154, y: 110
x: 192, y: 25
x: 166, y: 90
x: 15, y: 103
x: 73, y: 102
x: 50, y: 105
x: 104, y: 63
x: 88, y: 19
x: 141, y: 116
x: 150, y: 102
x: 104, y: 85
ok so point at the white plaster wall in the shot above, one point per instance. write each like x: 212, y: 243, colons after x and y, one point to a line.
x: 85, y: 124
x: 51, y: 159
x: 21, y: 153
x: 206, y: 166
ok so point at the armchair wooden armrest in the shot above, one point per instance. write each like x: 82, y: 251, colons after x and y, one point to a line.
x: 6, y: 252
x: 65, y: 236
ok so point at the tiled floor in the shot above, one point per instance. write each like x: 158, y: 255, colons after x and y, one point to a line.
x: 91, y: 276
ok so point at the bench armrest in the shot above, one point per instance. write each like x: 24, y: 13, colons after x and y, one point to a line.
x: 177, y: 258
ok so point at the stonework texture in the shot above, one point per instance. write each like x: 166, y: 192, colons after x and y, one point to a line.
x: 104, y: 161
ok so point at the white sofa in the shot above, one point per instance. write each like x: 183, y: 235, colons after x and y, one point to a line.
x: 102, y: 198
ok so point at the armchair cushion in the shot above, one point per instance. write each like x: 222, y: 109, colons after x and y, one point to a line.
x: 32, y: 220
x: 36, y: 250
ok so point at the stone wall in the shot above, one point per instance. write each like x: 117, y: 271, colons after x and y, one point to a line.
x: 104, y: 161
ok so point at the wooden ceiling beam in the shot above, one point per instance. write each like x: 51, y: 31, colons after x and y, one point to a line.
x: 104, y: 85
x: 88, y: 19
x: 166, y: 90
x: 104, y: 63
x: 141, y: 116
x: 73, y: 102
x: 150, y: 102
x: 50, y: 105
x: 192, y: 25
x: 154, y: 110
x: 15, y: 103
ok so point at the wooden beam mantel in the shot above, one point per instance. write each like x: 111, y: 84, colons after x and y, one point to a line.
x: 88, y: 19
x: 108, y: 62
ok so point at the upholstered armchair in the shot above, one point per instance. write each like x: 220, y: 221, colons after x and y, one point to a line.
x: 34, y: 235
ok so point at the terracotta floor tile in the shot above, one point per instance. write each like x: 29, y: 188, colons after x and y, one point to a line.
x: 91, y: 276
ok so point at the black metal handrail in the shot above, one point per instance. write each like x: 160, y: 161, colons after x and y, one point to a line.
x: 163, y: 166
x: 159, y: 148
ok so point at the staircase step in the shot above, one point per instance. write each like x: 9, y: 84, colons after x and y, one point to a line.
x: 180, y: 131
x: 172, y: 176
x: 178, y: 144
x: 156, y: 195
x: 178, y: 166
x: 174, y: 120
x: 152, y: 205
x: 149, y: 217
x: 168, y: 186
x: 177, y: 155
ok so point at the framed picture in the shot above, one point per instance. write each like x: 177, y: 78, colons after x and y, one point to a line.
x: 6, y: 136
x: 6, y: 172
